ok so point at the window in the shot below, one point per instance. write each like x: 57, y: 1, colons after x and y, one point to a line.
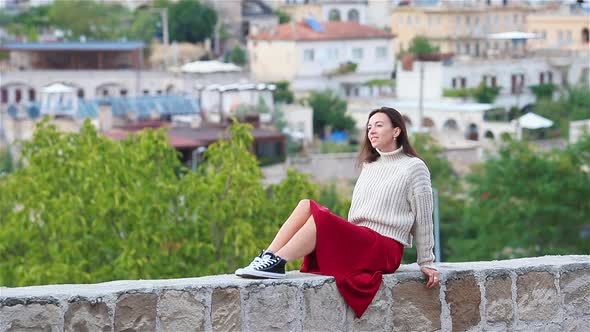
x: 560, y: 35
x: 496, y: 19
x: 31, y: 94
x: 467, y: 48
x: 334, y: 15
x: 515, y: 20
x: 357, y: 53
x: 463, y: 82
x: 585, y: 36
x: 467, y: 20
x: 381, y: 52
x: 308, y: 55
x: 4, y: 96
x: 146, y: 92
x: 458, y: 20
x: 569, y: 36
x: 105, y: 92
x: 17, y: 95
x: 429, y: 20
x: 549, y: 77
x: 541, y: 78
x: 454, y: 83
x: 417, y: 20
x: 516, y: 83
x: 353, y: 15
x: 458, y: 48
x: 123, y: 92
x: 332, y: 53
x: 476, y: 20
x: 80, y: 93
x: 494, y: 82
x: 409, y: 20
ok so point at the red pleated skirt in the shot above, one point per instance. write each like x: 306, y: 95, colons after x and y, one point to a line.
x: 356, y: 256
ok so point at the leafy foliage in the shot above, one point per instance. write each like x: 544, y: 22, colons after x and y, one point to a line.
x: 421, y: 45
x: 573, y: 104
x: 542, y: 91
x: 485, y: 94
x: 237, y: 56
x: 282, y: 94
x: 191, y: 21
x: 329, y: 110
x: 283, y: 16
x: 527, y: 203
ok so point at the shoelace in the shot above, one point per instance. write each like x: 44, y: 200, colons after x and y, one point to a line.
x: 264, y: 262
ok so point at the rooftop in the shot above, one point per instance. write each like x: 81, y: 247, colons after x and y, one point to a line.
x: 74, y: 46
x: 302, y: 31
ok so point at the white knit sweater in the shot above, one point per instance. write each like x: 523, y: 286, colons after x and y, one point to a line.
x: 393, y: 196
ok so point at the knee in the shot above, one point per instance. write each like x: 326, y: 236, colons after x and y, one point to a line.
x: 304, y: 203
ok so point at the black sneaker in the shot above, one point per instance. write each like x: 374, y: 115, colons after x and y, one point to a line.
x: 270, y: 266
x: 239, y: 272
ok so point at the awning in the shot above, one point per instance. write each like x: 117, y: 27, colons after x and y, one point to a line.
x: 58, y: 88
x: 533, y: 121
x: 513, y: 35
x: 207, y: 67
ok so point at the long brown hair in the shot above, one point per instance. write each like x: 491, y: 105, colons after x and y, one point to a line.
x: 369, y: 154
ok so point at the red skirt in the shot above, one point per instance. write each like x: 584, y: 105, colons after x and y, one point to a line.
x: 355, y: 256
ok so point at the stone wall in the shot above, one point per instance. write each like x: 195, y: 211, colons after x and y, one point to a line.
x: 550, y: 293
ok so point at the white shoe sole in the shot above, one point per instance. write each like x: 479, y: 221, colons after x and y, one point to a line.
x: 253, y: 274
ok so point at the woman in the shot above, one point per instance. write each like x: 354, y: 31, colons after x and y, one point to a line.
x: 391, y: 205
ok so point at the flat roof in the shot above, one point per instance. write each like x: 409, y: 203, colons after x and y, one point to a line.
x: 74, y: 46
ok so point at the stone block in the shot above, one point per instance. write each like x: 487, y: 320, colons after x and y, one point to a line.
x: 416, y: 308
x: 226, y: 309
x: 464, y: 298
x: 536, y: 297
x: 575, y: 287
x: 136, y: 312
x: 277, y: 302
x: 31, y: 317
x: 325, y: 309
x: 181, y: 311
x: 84, y: 316
x: 376, y: 316
x: 499, y: 299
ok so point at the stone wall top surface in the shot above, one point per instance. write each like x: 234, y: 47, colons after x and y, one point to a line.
x: 54, y: 293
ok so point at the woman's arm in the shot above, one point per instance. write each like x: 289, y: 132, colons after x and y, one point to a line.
x: 421, y: 204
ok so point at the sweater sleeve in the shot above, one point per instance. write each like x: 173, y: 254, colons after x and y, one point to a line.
x: 421, y: 203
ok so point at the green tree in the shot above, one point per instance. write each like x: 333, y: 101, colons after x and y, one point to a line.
x: 542, y: 91
x: 191, y: 21
x: 420, y: 45
x: 282, y: 94
x: 238, y: 56
x: 329, y: 110
x: 485, y: 94
x: 525, y: 202
x: 572, y: 105
x: 6, y: 162
x: 90, y: 19
x: 88, y: 209
x: 283, y: 17
x: 144, y: 25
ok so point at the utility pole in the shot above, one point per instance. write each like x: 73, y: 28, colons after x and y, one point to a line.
x: 421, y: 98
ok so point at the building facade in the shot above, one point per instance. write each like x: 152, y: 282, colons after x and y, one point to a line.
x: 461, y: 27
x: 341, y: 56
x: 565, y: 29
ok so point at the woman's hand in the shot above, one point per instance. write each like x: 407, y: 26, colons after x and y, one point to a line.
x: 433, y: 277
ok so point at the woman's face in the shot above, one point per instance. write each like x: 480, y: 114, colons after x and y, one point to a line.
x: 381, y: 133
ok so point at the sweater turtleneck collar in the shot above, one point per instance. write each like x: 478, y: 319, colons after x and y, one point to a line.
x: 392, y: 155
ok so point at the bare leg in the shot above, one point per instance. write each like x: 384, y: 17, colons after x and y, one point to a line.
x: 296, y: 220
x: 301, y: 244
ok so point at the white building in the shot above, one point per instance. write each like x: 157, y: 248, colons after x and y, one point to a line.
x: 341, y: 56
x: 513, y: 75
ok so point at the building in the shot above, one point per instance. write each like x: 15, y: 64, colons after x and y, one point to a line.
x: 513, y: 75
x: 462, y: 27
x: 328, y: 10
x: 566, y: 29
x: 341, y: 56
x: 97, y: 70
